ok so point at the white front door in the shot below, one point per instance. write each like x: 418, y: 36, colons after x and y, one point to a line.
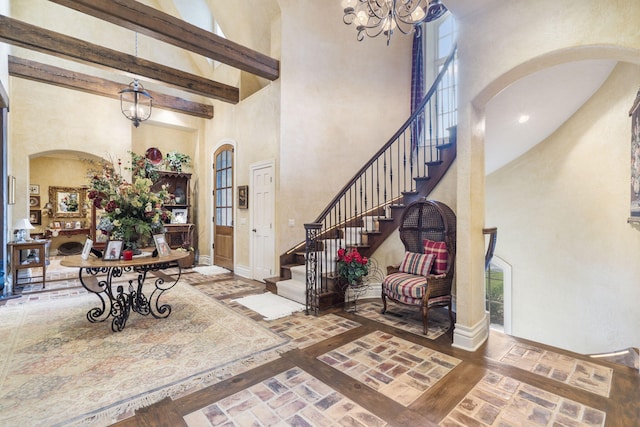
x: 261, y: 203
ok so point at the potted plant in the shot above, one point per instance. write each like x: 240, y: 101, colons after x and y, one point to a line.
x: 175, y: 161
x: 352, y: 266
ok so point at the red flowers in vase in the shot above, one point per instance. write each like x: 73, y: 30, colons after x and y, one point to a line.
x: 352, y: 266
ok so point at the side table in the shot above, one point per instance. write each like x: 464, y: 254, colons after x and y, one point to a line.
x: 100, y: 277
x: 33, y: 254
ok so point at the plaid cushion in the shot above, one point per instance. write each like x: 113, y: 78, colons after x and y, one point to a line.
x: 405, y: 284
x: 439, y: 250
x: 418, y: 264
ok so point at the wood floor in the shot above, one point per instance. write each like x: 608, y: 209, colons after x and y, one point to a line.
x: 488, y: 387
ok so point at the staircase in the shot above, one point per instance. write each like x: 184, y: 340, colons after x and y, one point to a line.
x: 368, y: 208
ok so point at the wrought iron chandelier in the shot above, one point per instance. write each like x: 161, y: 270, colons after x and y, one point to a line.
x: 375, y: 17
x: 135, y: 103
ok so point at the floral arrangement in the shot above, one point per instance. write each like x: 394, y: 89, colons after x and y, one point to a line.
x: 352, y: 266
x: 70, y: 204
x: 141, y: 166
x: 132, y: 211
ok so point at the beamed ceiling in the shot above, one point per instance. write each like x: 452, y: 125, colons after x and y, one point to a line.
x: 143, y: 19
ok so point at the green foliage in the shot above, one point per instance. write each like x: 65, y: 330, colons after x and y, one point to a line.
x: 177, y: 161
x: 495, y: 296
x: 132, y: 211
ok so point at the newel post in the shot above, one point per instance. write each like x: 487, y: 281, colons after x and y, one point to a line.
x: 312, y: 270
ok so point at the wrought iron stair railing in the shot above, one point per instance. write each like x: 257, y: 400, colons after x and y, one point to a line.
x: 406, y: 168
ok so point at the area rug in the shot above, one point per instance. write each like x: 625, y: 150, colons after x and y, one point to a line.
x: 406, y: 318
x: 270, y: 306
x: 210, y: 270
x: 56, y: 368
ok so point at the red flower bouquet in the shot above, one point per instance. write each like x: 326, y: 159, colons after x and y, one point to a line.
x: 352, y: 266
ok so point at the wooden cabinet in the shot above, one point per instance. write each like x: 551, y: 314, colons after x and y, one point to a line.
x: 27, y: 255
x: 179, y: 234
x: 181, y: 231
x: 178, y: 184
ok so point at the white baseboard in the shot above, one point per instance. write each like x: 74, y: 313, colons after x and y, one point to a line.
x: 205, y: 260
x: 243, y: 271
x: 471, y: 338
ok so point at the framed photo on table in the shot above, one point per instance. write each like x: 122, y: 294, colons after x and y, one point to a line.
x: 161, y: 245
x: 86, y: 250
x: 113, y: 249
x: 179, y: 216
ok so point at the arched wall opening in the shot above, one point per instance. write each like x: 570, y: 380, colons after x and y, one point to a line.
x: 559, y: 205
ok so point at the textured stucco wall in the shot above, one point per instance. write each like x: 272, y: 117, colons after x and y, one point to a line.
x: 498, y: 46
x: 561, y: 211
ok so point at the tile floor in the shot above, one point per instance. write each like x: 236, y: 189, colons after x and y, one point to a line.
x: 499, y: 400
x: 292, y: 398
x: 398, y: 369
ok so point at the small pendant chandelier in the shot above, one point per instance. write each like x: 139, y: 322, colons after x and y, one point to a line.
x: 136, y: 103
x: 375, y: 17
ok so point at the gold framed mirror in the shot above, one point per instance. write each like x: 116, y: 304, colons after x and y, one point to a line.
x: 68, y: 202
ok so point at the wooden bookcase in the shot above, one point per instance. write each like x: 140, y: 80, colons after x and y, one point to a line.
x: 178, y: 184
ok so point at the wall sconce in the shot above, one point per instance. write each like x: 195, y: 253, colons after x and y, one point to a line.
x: 11, y: 187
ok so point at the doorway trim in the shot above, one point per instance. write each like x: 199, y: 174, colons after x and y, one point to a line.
x: 506, y: 291
x: 208, y: 259
x: 252, y: 168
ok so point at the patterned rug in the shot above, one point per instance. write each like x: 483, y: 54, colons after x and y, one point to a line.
x: 56, y: 368
x: 406, y: 318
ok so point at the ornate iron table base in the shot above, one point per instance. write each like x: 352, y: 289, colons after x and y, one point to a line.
x: 119, y: 303
x: 98, y: 277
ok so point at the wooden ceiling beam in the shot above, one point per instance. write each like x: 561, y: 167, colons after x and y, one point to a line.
x: 36, y: 71
x: 159, y: 25
x: 29, y: 36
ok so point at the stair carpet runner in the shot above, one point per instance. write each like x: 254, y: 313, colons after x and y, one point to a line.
x: 295, y: 288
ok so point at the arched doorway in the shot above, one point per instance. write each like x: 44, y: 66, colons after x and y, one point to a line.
x: 223, y: 207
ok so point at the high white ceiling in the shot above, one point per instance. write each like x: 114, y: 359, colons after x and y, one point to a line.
x: 548, y: 97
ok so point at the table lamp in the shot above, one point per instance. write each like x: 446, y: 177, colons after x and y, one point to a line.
x: 21, y: 227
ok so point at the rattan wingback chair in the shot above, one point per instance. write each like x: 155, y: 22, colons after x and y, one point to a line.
x: 425, y: 276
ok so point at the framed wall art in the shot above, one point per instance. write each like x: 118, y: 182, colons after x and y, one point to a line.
x: 34, y: 189
x: 34, y: 201
x: 68, y: 202
x: 35, y: 217
x: 243, y: 197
